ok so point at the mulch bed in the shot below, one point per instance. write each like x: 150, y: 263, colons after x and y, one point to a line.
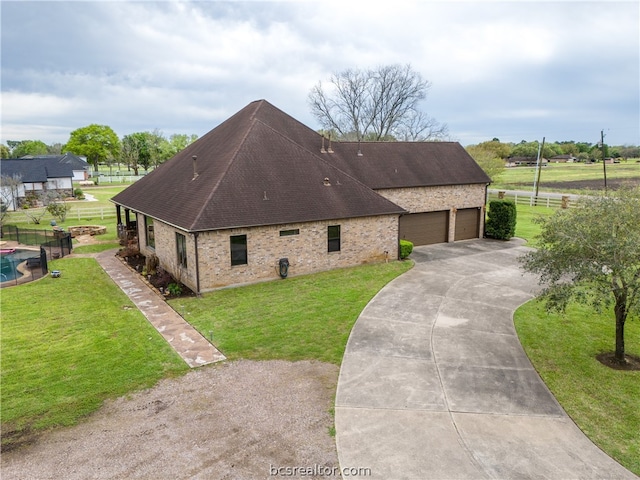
x: 608, y: 359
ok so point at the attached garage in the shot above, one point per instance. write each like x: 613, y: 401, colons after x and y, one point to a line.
x: 425, y: 228
x: 467, y: 223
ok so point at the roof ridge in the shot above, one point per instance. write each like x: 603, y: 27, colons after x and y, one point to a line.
x: 229, y: 164
x: 319, y: 157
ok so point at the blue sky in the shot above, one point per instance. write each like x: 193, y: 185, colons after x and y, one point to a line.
x: 512, y: 70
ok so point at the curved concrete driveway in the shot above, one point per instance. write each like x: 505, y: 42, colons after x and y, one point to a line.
x: 434, y: 383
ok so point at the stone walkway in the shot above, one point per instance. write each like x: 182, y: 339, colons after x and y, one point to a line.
x: 186, y: 340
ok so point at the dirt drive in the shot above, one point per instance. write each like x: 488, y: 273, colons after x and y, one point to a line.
x: 236, y: 420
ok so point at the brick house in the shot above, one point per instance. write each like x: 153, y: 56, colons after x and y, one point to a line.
x: 262, y: 186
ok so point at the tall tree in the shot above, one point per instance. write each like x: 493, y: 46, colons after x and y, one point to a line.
x: 375, y: 104
x: 592, y: 253
x: 135, y: 151
x: 99, y: 143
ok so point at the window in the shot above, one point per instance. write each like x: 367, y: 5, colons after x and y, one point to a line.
x: 286, y: 233
x: 334, y: 238
x: 181, y: 245
x: 238, y: 250
x: 148, y: 226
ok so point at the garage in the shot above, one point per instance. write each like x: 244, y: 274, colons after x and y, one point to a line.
x: 425, y: 228
x: 467, y: 223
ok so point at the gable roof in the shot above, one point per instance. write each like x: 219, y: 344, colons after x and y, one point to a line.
x: 263, y: 167
x: 35, y: 170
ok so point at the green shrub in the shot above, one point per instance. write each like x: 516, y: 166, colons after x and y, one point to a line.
x: 59, y: 210
x: 501, y: 220
x: 406, y: 247
x: 174, y: 289
x: 78, y: 193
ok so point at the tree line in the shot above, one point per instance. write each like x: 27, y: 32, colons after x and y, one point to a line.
x: 100, y: 144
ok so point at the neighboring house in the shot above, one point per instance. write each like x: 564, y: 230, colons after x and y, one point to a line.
x: 262, y: 187
x: 37, y: 175
x: 563, y: 159
x: 525, y: 161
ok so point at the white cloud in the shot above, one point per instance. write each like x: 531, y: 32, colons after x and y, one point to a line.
x: 185, y: 66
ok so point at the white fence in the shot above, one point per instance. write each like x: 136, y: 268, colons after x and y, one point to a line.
x: 116, y: 178
x: 528, y: 198
x: 96, y: 213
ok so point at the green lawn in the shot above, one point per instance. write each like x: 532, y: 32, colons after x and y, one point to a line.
x: 603, y: 402
x: 307, y: 317
x: 525, y: 226
x: 518, y: 178
x: 79, y: 340
x: 69, y: 343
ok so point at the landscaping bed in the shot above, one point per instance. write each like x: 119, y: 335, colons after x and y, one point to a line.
x: 157, y: 276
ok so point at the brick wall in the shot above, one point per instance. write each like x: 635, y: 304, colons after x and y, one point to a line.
x: 432, y: 199
x: 363, y: 240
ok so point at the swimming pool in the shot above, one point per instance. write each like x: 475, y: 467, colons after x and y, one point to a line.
x: 9, y: 263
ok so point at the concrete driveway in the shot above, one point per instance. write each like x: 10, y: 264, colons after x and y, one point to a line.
x: 434, y: 383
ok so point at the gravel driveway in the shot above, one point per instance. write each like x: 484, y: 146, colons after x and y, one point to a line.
x: 236, y: 420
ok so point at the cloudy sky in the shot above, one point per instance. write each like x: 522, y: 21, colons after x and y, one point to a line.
x: 512, y: 70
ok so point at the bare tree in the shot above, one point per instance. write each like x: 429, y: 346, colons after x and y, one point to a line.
x: 376, y: 105
x: 9, y: 186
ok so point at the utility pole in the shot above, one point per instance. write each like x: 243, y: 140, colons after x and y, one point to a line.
x: 539, y: 166
x: 604, y: 164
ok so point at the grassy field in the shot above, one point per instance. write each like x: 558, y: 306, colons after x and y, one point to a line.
x: 603, y: 402
x: 304, y: 318
x: 71, y: 342
x: 554, y: 176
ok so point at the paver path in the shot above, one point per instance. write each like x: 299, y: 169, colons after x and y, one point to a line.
x: 434, y: 383
x: 186, y: 340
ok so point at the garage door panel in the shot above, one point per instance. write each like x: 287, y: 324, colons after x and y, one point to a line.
x: 425, y: 228
x: 467, y: 223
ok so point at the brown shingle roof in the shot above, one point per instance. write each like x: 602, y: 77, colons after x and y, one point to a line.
x: 263, y: 167
x: 407, y: 164
x: 258, y: 153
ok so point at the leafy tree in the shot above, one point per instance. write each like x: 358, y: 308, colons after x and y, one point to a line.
x: 592, y: 253
x: 29, y: 147
x: 135, y: 151
x: 99, y: 143
x: 530, y: 150
x: 54, y: 149
x: 492, y: 164
x: 4, y: 151
x: 377, y: 104
x: 629, y: 151
x: 179, y: 142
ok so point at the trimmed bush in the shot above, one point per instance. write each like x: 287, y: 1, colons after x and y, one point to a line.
x: 406, y: 247
x: 501, y: 220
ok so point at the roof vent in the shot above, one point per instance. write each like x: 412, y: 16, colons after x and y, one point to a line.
x: 359, y: 151
x: 195, y: 170
x: 329, y: 150
x: 323, y: 150
x: 265, y: 196
x: 326, y: 182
